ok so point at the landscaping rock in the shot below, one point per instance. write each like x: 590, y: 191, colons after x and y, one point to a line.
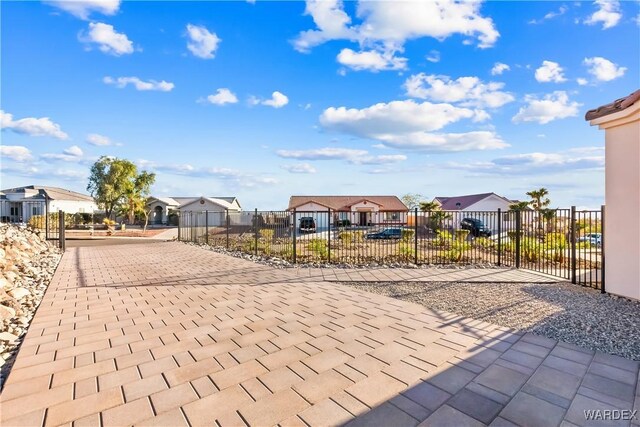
x: 27, y: 265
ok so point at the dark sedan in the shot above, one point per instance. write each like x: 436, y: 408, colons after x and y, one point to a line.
x: 387, y: 233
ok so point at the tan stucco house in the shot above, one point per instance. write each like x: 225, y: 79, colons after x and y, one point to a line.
x: 21, y: 203
x: 163, y: 207
x: 358, y: 210
x: 621, y: 123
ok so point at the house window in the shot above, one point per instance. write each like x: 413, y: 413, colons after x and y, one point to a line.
x: 35, y: 210
x: 392, y: 216
x: 343, y: 215
x: 14, y: 211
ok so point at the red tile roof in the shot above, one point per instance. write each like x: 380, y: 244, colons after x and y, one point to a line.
x: 386, y: 203
x: 613, y: 107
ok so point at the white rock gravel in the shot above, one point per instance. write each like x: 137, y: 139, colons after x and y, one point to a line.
x: 27, y: 264
x: 283, y: 263
x: 561, y: 311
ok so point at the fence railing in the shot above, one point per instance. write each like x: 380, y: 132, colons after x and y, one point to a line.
x: 37, y: 215
x: 560, y: 242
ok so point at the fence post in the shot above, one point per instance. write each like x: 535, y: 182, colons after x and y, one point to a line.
x: 46, y: 217
x: 518, y: 233
x: 415, y: 236
x: 227, y: 224
x: 179, y: 225
x: 294, y: 235
x: 61, y: 241
x: 206, y: 226
x: 329, y: 235
x: 602, y: 288
x: 255, y: 224
x: 574, y: 276
x: 499, y: 237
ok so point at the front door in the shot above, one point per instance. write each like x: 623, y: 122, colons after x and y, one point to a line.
x: 157, y: 215
x: 363, y: 218
x: 15, y: 212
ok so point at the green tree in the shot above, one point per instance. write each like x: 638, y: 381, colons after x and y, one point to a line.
x: 519, y: 206
x: 137, y: 197
x: 113, y: 181
x: 539, y: 199
x: 429, y: 206
x: 412, y: 200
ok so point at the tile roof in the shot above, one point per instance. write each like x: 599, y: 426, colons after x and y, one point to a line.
x: 386, y: 203
x: 613, y: 107
x: 462, y: 202
x: 54, y: 193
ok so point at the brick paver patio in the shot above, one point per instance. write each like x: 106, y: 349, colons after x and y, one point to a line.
x: 170, y: 334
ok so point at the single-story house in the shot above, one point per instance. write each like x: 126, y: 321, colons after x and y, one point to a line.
x: 163, y: 207
x: 474, y: 202
x: 21, y: 203
x: 482, y: 206
x: 358, y: 210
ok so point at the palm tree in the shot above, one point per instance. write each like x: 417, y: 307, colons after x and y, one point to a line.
x: 519, y: 206
x: 429, y: 206
x: 539, y: 202
x: 539, y: 199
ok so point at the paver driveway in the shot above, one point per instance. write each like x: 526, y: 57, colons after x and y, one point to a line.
x: 170, y: 334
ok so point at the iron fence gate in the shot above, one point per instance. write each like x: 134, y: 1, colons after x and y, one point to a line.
x: 561, y: 242
x: 36, y: 215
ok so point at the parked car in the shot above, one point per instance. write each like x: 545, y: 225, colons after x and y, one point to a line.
x: 343, y: 223
x: 475, y: 226
x: 595, y: 239
x: 307, y: 225
x: 387, y: 233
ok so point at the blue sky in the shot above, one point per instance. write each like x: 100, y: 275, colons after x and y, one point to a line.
x: 267, y: 99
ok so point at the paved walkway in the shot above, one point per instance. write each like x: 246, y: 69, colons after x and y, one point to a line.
x: 170, y: 334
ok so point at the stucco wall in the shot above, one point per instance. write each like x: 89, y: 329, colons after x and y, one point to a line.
x: 622, y: 215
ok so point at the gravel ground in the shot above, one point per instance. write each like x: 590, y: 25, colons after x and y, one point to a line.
x: 561, y: 311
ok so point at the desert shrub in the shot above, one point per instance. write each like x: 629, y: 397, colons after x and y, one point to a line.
x: 461, y: 235
x: 408, y: 234
x: 484, y: 243
x: 37, y: 222
x: 406, y: 249
x: 318, y: 247
x: 530, y: 249
x: 267, y: 235
x: 556, y: 241
x: 350, y: 237
x: 443, y: 238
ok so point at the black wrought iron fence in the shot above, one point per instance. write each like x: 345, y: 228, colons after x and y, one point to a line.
x: 36, y: 215
x: 560, y: 242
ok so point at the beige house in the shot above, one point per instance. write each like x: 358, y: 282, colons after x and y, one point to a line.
x: 21, y: 203
x: 357, y: 210
x: 621, y: 123
x: 163, y: 207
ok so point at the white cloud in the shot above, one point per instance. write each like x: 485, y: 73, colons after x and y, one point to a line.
x: 582, y: 81
x: 608, y: 13
x: 468, y: 91
x: 278, y: 100
x: 32, y: 126
x: 15, y: 152
x: 371, y: 60
x: 108, y: 39
x: 222, y: 96
x: 393, y: 117
x: 603, y: 69
x: 121, y: 82
x: 299, y: 168
x: 70, y: 154
x: 584, y: 158
x: 445, y: 142
x: 433, y: 56
x: 98, y: 140
x: 83, y: 8
x: 550, y: 71
x: 408, y: 125
x: 552, y: 106
x: 561, y: 11
x: 386, y: 26
x: 353, y: 156
x: 499, y: 68
x: 202, y: 43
